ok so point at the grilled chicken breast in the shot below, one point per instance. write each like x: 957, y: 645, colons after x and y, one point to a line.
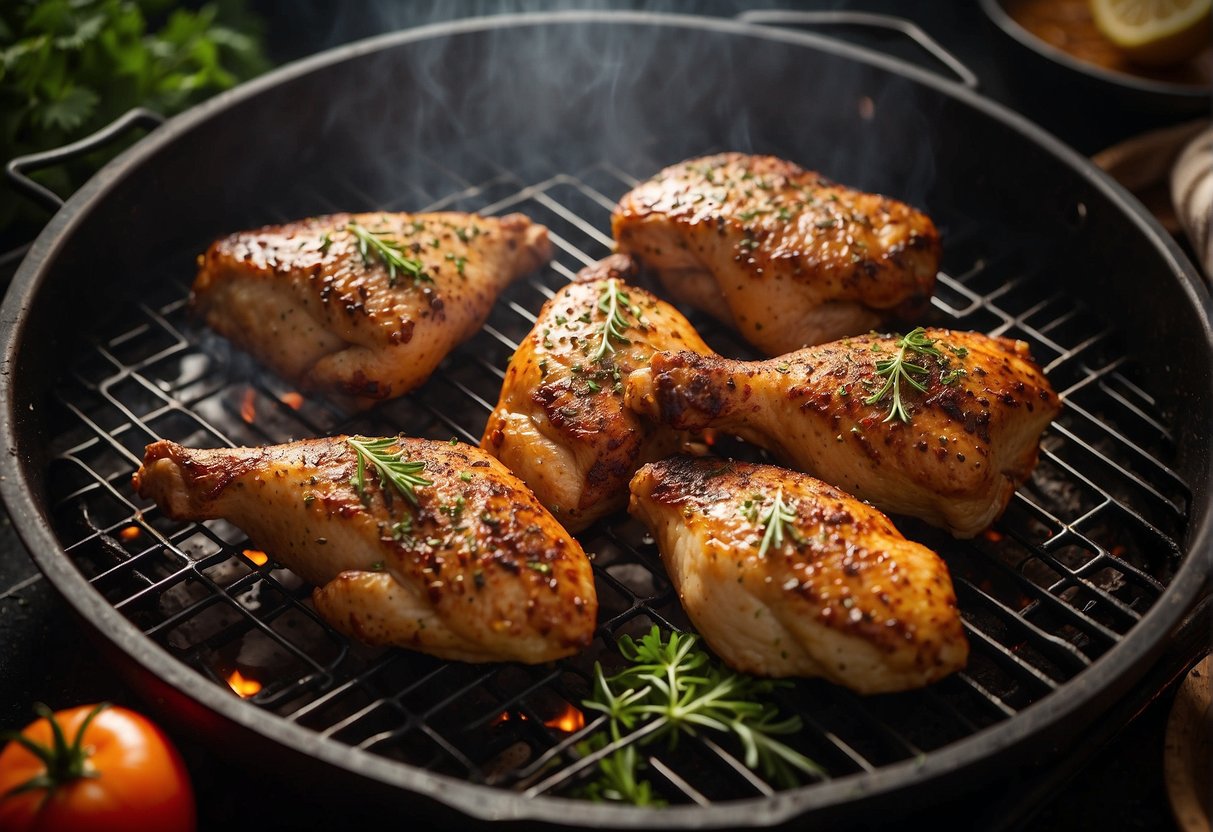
x: 363, y: 306
x: 784, y: 255
x: 840, y: 595
x: 476, y: 570
x: 851, y: 412
x: 560, y: 423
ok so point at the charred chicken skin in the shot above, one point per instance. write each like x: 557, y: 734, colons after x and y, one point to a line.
x: 937, y: 424
x: 363, y: 306
x: 469, y: 567
x: 560, y: 423
x: 784, y: 575
x: 785, y: 256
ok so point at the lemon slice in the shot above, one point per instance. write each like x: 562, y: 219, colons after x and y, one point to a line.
x: 1155, y: 32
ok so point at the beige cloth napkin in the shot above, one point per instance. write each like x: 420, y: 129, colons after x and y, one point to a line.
x: 1171, y: 172
x: 1192, y: 196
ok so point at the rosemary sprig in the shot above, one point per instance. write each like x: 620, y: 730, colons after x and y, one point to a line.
x: 776, y: 521
x: 615, y: 305
x: 898, y: 369
x: 675, y: 685
x: 389, y: 252
x: 392, y: 467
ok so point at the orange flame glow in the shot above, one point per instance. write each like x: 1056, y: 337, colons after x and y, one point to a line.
x: 248, y: 408
x: 244, y: 687
x: 506, y: 716
x: 992, y: 536
x: 292, y: 400
x: 130, y: 533
x: 569, y: 721
x: 257, y: 556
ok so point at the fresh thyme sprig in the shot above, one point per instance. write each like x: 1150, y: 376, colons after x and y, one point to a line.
x: 673, y: 683
x: 898, y: 369
x: 389, y: 252
x: 776, y: 520
x: 392, y: 467
x: 615, y: 305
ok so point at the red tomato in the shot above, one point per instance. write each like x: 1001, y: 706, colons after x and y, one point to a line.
x: 119, y: 773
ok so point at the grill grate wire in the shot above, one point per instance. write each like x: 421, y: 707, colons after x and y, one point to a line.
x: 1084, y: 550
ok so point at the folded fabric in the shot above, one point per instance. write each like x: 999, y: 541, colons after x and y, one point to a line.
x: 1192, y: 196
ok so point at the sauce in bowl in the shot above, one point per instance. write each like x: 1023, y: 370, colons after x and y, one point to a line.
x: 1067, y: 25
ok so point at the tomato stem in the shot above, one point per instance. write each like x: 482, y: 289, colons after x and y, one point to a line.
x: 64, y: 763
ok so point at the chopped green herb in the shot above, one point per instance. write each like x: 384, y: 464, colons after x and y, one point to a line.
x: 403, y: 529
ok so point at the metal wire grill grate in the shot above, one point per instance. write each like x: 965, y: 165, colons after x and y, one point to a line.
x: 1084, y: 550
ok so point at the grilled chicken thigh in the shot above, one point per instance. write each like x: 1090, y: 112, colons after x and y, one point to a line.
x: 471, y: 567
x: 560, y: 423
x: 784, y: 255
x: 851, y: 412
x: 363, y: 306
x: 784, y: 575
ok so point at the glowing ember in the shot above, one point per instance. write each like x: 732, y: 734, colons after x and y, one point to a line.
x: 292, y: 400
x: 256, y: 556
x: 569, y: 721
x: 506, y: 716
x: 248, y: 408
x: 709, y: 436
x: 130, y: 533
x: 244, y: 687
x: 992, y: 536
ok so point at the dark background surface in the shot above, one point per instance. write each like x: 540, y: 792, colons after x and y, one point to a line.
x: 1114, y: 781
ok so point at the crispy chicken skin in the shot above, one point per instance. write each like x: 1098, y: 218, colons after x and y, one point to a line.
x: 478, y: 571
x: 560, y: 423
x: 845, y: 596
x: 784, y: 255
x: 972, y: 438
x: 305, y: 300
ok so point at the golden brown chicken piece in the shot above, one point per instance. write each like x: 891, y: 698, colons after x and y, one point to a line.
x: 851, y: 412
x: 784, y: 255
x: 560, y: 423
x: 363, y: 306
x: 469, y: 567
x: 784, y: 575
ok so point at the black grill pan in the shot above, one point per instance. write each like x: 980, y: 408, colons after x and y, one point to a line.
x: 1067, y: 602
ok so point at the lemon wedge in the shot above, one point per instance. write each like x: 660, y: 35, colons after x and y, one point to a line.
x: 1155, y: 32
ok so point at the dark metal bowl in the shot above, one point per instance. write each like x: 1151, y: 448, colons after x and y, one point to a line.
x: 1045, y: 70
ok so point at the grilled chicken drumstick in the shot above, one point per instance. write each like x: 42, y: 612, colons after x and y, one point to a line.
x: 781, y: 253
x: 363, y: 306
x: 450, y: 554
x: 938, y: 424
x: 784, y: 575
x: 560, y: 423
